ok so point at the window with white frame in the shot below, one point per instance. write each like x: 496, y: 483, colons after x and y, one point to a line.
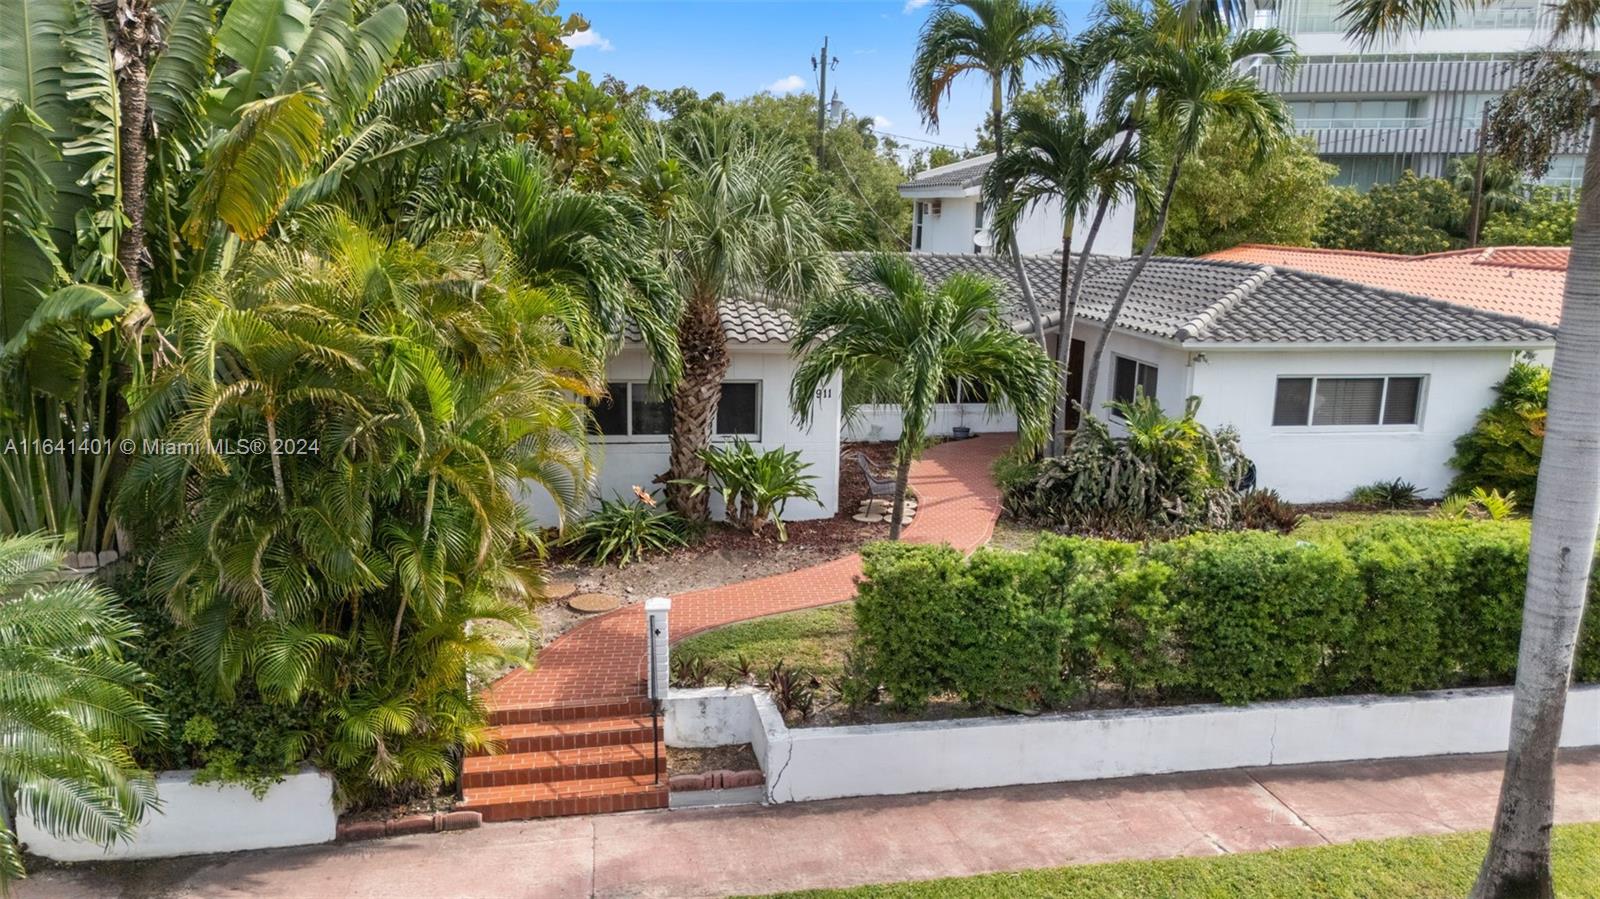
x: 916, y: 226
x: 637, y: 409
x: 1348, y: 401
x: 1131, y: 379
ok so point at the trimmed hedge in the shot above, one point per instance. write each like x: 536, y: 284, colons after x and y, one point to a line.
x: 1392, y: 607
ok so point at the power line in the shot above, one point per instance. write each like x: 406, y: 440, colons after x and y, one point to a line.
x: 920, y: 140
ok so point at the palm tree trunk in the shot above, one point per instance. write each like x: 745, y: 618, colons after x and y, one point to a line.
x: 1069, y: 315
x: 134, y: 34
x: 694, y: 404
x: 1029, y: 301
x: 1566, y: 511
x: 902, y: 477
x: 1093, y: 374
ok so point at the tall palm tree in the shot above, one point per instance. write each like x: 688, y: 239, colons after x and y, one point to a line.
x: 68, y: 706
x: 1556, y: 102
x: 997, y: 39
x: 1064, y: 159
x: 1189, y: 82
x: 738, y: 219
x: 900, y: 341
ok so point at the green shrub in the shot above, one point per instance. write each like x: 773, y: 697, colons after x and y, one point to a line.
x: 623, y: 532
x: 1265, y: 510
x: 1502, y: 450
x: 1405, y: 577
x: 1260, y: 611
x: 1395, y: 494
x: 931, y: 623
x: 755, y: 486
x: 1168, y: 476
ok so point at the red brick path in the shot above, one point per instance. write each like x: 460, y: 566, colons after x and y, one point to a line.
x: 596, y: 670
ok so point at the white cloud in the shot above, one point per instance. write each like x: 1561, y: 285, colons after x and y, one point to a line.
x: 914, y: 5
x: 882, y: 123
x: 589, y: 38
x: 786, y: 84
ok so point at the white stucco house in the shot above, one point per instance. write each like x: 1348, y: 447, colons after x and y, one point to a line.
x: 1331, y: 384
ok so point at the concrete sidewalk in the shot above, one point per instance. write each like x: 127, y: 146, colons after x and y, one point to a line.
x: 715, y: 852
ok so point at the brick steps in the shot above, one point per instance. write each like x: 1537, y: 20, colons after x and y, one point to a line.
x: 579, y: 758
x: 562, y: 765
x: 568, y: 797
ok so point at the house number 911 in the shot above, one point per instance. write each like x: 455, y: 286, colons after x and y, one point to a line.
x: 824, y: 393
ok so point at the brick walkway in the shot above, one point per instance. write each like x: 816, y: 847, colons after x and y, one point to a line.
x: 604, y: 658
x: 576, y: 733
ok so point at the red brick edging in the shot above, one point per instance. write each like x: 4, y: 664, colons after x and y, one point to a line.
x: 350, y: 831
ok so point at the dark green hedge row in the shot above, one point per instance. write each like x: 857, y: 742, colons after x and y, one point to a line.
x: 1411, y: 604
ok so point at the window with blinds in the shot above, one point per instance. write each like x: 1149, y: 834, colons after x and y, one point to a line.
x: 637, y: 409
x: 1347, y: 402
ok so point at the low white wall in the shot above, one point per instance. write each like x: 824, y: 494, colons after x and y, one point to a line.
x: 930, y: 756
x: 710, y: 716
x: 196, y: 819
x: 883, y: 422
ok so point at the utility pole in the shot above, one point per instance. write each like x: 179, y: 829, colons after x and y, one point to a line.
x: 1476, y: 221
x: 821, y: 65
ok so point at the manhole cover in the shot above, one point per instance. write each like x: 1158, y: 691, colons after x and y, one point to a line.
x: 589, y: 603
x: 559, y: 588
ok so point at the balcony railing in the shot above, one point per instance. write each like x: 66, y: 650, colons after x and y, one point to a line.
x: 1330, y: 124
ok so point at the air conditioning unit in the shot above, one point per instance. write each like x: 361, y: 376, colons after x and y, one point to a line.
x: 936, y: 207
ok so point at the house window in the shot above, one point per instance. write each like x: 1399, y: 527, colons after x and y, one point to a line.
x: 637, y: 409
x: 916, y: 226
x: 1347, y: 402
x: 1132, y: 379
x: 977, y: 226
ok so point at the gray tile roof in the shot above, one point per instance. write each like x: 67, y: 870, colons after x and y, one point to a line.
x: 961, y: 175
x: 743, y: 321
x: 1203, y: 301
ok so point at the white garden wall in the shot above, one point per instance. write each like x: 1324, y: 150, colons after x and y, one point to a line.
x: 887, y: 759
x: 196, y: 819
x: 623, y: 462
x: 1316, y: 464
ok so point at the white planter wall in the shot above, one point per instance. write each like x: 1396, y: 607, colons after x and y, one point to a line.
x: 196, y: 819
x: 930, y: 756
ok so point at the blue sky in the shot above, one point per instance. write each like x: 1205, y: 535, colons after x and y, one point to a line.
x: 741, y: 47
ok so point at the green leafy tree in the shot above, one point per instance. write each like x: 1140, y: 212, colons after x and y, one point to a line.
x: 401, y: 400
x: 1545, y: 219
x: 996, y: 40
x: 1191, y: 80
x: 1552, y: 104
x: 737, y: 217
x: 1412, y: 216
x: 901, y: 340
x: 1502, y: 450
x: 1225, y: 198
x: 69, y: 704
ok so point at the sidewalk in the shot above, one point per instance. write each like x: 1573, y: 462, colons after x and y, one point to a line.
x: 715, y: 852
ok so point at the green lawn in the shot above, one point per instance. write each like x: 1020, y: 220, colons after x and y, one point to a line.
x: 1410, y: 868
x: 815, y: 640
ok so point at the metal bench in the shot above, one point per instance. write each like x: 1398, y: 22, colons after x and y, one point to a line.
x: 877, y: 484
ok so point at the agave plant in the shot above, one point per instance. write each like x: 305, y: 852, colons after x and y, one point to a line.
x: 69, y: 706
x: 624, y: 532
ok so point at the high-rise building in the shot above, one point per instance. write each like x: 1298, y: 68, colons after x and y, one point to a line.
x: 1415, y: 101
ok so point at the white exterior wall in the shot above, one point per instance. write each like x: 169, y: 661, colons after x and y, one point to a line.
x: 196, y: 819
x: 1317, y: 464
x: 1171, y: 362
x: 974, y: 753
x: 623, y: 462
x: 952, y: 230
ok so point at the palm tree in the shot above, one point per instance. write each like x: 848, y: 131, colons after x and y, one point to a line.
x: 69, y: 708
x: 997, y: 39
x: 1066, y: 160
x: 1555, y: 102
x: 1189, y: 82
x: 900, y: 341
x: 738, y: 219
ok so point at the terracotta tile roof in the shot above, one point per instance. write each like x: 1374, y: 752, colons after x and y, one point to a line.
x: 1525, y: 282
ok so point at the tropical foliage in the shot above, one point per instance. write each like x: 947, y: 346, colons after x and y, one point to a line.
x: 1503, y: 449
x: 349, y: 431
x: 1543, y: 220
x: 755, y: 486
x: 1167, y: 476
x: 70, y: 710
x: 623, y: 532
x: 897, y: 339
x: 1412, y: 216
